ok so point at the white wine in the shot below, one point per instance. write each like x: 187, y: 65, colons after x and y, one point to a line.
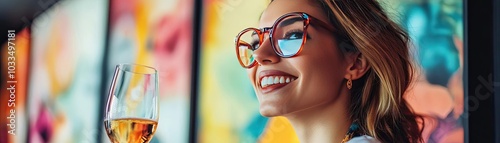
x: 130, y: 130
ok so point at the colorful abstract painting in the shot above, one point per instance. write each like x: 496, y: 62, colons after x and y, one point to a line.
x: 157, y: 33
x: 65, y: 72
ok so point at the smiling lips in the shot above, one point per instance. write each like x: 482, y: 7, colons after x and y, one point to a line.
x: 270, y: 80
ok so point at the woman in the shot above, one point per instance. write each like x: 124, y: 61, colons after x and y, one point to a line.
x: 336, y: 69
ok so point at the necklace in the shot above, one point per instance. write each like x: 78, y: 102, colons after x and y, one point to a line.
x: 350, y: 134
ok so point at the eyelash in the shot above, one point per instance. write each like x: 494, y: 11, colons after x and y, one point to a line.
x: 255, y: 44
x: 289, y: 33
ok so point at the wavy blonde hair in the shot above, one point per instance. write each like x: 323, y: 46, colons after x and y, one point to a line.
x: 377, y: 101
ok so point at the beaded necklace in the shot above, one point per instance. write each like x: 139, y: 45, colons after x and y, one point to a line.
x: 352, y: 132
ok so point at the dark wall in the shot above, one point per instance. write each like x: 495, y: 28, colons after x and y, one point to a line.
x: 496, y: 48
x: 481, y: 78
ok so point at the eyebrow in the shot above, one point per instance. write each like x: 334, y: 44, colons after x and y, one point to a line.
x: 285, y: 22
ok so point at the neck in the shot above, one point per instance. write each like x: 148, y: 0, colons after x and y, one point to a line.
x: 328, y: 122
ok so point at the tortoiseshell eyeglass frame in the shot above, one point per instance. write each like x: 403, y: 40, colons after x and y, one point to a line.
x: 307, y: 19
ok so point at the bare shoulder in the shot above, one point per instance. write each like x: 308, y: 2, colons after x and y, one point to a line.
x: 363, y: 139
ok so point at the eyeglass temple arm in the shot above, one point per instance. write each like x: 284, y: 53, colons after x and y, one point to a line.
x: 322, y: 24
x: 331, y: 29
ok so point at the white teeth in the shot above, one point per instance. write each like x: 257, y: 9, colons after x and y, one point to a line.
x: 263, y: 82
x: 270, y: 80
x: 276, y: 80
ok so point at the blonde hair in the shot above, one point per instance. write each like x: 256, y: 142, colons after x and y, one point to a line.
x: 377, y: 101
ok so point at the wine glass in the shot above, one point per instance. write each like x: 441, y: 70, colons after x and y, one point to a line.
x: 132, y: 109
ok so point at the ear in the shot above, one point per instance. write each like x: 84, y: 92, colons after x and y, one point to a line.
x: 357, y: 66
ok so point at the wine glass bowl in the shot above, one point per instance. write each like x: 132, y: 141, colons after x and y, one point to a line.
x: 131, y: 114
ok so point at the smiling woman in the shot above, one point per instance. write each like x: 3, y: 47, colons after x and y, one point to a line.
x: 336, y: 69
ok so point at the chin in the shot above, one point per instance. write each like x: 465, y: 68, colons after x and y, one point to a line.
x: 269, y: 114
x: 271, y: 111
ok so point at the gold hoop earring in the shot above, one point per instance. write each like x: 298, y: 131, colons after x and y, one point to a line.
x: 349, y: 84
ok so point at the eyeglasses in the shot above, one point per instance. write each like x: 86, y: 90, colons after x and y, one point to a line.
x: 288, y: 36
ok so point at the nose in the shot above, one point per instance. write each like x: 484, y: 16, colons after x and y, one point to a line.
x: 265, y: 54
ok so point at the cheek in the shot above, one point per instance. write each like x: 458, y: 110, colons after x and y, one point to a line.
x: 321, y: 75
x: 321, y: 59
